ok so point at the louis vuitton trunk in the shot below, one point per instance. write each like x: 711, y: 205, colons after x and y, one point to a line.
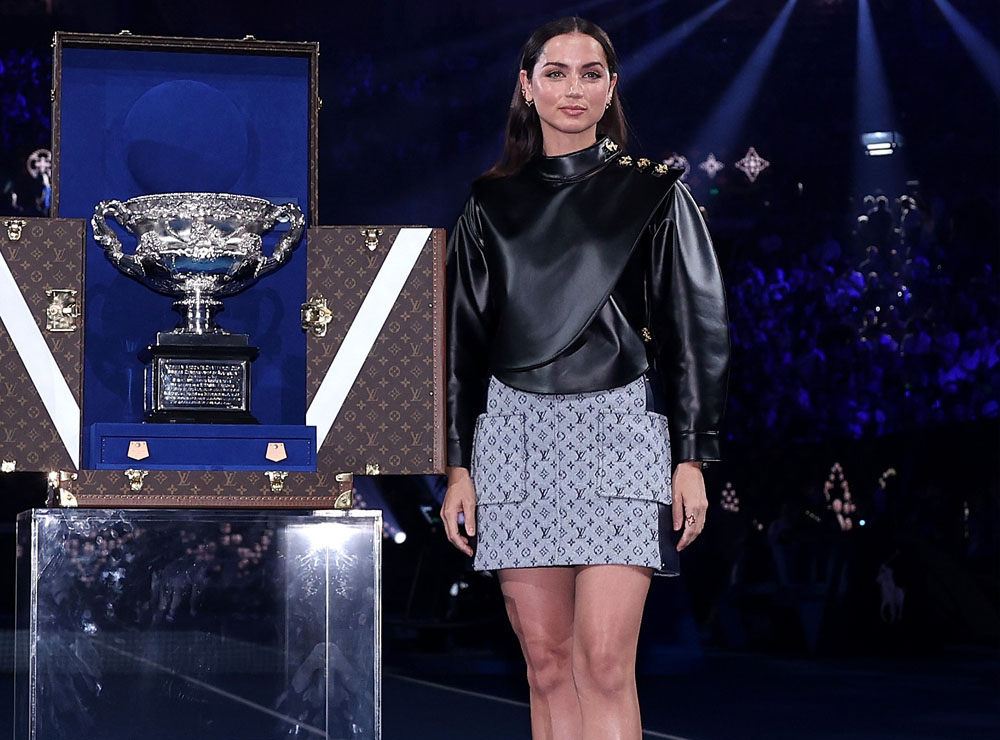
x: 348, y: 356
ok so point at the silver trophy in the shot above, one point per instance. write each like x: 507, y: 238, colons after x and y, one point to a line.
x: 198, y: 247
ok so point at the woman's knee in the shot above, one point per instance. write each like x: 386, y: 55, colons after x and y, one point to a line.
x: 603, y: 669
x: 550, y: 663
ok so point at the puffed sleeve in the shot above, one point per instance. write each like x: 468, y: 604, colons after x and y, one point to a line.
x: 691, y: 326
x: 470, y: 322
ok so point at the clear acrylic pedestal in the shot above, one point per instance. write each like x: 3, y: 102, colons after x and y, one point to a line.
x: 203, y: 624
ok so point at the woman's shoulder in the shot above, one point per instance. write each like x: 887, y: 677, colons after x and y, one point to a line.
x: 645, y: 173
x: 623, y: 175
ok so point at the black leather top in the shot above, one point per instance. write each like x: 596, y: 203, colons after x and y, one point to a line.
x: 549, y: 271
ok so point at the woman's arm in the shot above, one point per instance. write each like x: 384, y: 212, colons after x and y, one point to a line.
x: 691, y: 325
x: 469, y: 330
x: 469, y: 327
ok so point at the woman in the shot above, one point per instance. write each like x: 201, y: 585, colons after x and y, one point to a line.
x: 578, y: 278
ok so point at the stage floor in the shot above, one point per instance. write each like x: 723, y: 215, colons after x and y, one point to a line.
x: 735, y: 696
x: 727, y: 696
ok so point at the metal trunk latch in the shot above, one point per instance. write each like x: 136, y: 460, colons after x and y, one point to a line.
x: 371, y: 235
x: 136, y: 478
x: 316, y: 316
x: 276, y: 478
x: 14, y: 228
x: 58, y: 495
x: 62, y: 311
x: 345, y: 486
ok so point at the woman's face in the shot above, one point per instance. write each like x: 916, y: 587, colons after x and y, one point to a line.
x: 570, y: 87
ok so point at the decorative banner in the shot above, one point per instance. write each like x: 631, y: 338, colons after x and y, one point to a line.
x: 365, y: 328
x: 711, y: 165
x: 752, y: 164
x: 41, y: 365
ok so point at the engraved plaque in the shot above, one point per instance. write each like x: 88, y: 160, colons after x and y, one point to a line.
x: 207, y: 384
x: 199, y: 379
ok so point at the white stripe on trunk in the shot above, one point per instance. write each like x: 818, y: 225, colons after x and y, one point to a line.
x: 364, y: 330
x: 41, y: 365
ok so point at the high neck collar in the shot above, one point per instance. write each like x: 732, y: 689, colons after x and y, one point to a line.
x: 576, y: 165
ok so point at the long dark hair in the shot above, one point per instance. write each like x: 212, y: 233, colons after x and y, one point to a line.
x: 523, y: 137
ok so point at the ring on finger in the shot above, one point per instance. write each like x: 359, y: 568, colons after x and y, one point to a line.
x: 690, y: 519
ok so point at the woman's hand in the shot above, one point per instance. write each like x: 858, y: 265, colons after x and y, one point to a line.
x: 689, y: 501
x: 460, y: 498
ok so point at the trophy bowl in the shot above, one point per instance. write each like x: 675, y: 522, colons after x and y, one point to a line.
x: 197, y: 247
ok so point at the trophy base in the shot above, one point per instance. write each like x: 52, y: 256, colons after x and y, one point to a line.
x: 199, y: 379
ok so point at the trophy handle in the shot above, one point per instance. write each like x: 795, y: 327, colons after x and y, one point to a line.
x: 288, y: 241
x: 107, y: 238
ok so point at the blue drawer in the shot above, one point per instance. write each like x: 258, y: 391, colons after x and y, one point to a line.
x: 203, y: 446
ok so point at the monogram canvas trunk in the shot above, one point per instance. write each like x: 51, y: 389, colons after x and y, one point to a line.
x: 374, y: 372
x: 347, y: 337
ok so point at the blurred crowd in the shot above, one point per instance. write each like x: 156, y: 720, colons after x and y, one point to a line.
x: 25, y: 121
x: 899, y: 326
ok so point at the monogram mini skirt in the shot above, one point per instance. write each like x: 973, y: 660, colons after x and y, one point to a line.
x: 573, y: 479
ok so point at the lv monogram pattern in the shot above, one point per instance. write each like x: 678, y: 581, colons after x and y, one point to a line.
x: 49, y: 254
x: 575, y: 479
x: 394, y: 413
x: 181, y: 489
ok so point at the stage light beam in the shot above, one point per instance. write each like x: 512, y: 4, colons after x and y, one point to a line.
x: 874, y: 119
x: 874, y: 103
x: 726, y: 120
x: 623, y: 18
x: 983, y: 53
x: 645, y: 58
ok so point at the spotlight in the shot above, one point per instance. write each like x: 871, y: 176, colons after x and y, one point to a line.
x: 881, y: 143
x: 723, y: 125
x: 399, y: 538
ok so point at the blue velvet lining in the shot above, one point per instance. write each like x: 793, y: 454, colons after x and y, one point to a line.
x: 184, y: 136
x: 251, y: 108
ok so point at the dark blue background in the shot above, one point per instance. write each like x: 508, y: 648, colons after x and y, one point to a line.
x: 415, y: 96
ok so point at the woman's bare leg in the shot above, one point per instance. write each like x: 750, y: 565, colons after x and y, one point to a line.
x: 540, y: 604
x: 609, y: 603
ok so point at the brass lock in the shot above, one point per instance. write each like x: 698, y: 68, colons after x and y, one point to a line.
x: 371, y: 235
x: 276, y: 478
x: 136, y: 478
x: 62, y: 312
x: 14, y: 228
x: 57, y: 495
x: 316, y: 316
x: 345, y: 498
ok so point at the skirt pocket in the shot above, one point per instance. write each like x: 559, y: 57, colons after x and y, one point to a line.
x: 634, y: 456
x: 498, y: 463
